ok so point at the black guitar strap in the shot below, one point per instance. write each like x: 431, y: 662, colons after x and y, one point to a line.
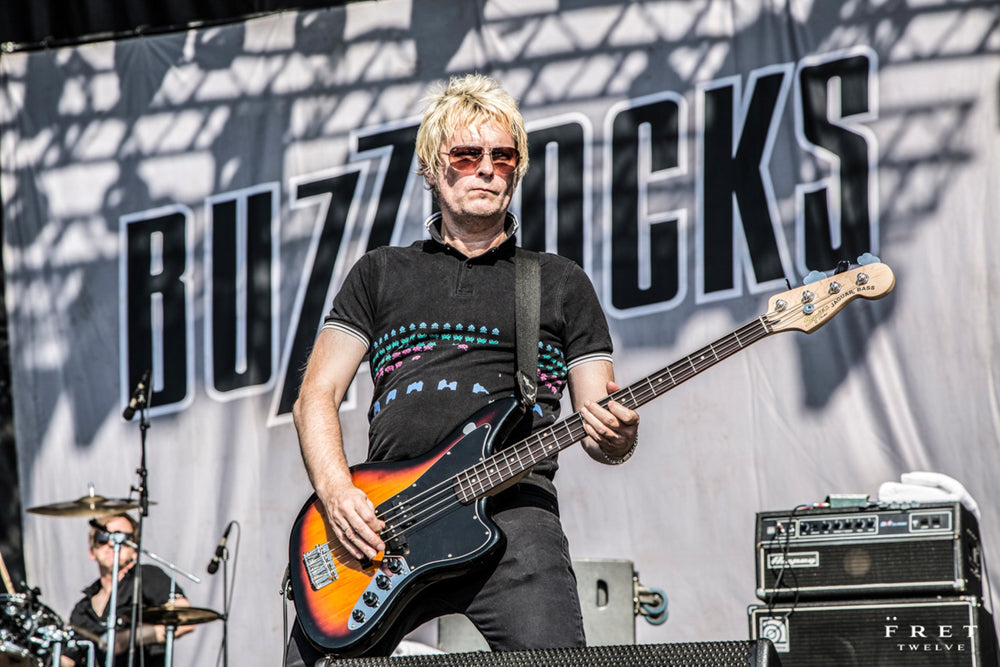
x: 527, y: 307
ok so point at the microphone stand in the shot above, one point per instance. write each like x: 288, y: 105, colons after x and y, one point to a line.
x: 225, y: 606
x: 142, y: 403
x: 169, y: 647
x: 222, y: 554
x: 117, y: 539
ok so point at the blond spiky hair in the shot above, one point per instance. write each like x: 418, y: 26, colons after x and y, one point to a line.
x: 467, y: 100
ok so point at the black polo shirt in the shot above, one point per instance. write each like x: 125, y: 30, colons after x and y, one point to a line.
x: 155, y: 591
x: 439, y: 327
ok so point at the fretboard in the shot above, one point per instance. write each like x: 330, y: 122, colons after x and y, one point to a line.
x: 503, y: 466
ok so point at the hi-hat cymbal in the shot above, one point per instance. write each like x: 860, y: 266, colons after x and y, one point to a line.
x: 169, y: 614
x: 87, y: 506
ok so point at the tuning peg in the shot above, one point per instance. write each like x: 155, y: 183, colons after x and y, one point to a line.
x: 842, y: 265
x: 813, y: 276
x: 868, y: 258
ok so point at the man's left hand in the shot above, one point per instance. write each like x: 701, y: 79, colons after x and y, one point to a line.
x: 613, y: 428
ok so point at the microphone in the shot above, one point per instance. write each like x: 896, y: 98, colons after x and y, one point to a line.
x: 220, y: 550
x: 138, y: 396
x: 100, y: 528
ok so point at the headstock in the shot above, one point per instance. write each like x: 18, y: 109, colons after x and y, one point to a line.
x: 810, y: 306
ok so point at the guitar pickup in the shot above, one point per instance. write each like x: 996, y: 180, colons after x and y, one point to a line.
x: 320, y: 566
x: 397, y: 546
x: 394, y: 536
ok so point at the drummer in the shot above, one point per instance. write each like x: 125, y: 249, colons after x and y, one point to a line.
x: 91, y: 614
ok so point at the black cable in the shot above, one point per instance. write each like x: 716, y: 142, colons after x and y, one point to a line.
x: 771, y: 599
x: 286, y: 595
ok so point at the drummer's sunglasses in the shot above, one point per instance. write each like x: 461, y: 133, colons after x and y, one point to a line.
x: 101, y: 538
x: 467, y: 158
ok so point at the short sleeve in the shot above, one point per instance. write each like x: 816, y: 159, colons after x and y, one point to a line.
x: 586, y: 335
x: 353, y: 310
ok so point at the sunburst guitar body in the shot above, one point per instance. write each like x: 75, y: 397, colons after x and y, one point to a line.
x: 436, y: 527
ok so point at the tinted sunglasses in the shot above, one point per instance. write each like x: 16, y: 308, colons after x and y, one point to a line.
x: 467, y: 158
x: 101, y: 538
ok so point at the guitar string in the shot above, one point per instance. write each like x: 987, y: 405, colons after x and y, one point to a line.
x: 428, y: 502
x: 542, y: 444
x: 644, y: 395
x: 427, y: 505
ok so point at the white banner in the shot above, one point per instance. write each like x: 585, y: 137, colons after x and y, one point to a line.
x: 188, y: 204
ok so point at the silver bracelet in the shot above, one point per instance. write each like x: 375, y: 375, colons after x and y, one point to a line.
x: 624, y: 457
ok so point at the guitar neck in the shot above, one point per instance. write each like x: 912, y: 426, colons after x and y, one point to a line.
x: 503, y: 466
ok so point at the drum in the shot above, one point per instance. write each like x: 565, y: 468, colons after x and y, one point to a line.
x: 28, y: 629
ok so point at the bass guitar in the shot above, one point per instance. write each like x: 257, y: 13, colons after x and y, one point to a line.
x: 434, y: 507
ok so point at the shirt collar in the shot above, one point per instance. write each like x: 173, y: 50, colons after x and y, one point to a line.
x: 433, y: 225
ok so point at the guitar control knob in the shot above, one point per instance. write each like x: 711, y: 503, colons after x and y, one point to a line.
x: 394, y: 565
x: 370, y: 599
x: 862, y: 279
x: 358, y: 616
x: 383, y: 582
x: 808, y: 296
x: 834, y: 287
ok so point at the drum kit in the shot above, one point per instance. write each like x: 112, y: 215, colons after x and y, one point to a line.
x: 34, y: 635
x: 28, y: 630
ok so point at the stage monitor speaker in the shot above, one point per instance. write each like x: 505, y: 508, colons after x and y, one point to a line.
x: 866, y: 552
x: 913, y: 632
x: 758, y: 653
x: 607, y: 599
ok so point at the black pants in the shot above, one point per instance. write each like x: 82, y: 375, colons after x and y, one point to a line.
x: 526, y: 600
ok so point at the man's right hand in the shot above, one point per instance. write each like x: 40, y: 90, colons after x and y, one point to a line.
x: 352, y: 517
x: 333, y: 363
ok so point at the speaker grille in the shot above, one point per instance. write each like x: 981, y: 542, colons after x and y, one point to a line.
x: 694, y: 654
x: 917, y: 632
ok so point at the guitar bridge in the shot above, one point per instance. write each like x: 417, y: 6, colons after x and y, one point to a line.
x: 320, y: 566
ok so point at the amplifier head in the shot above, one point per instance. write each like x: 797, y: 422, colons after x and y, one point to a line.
x: 875, y: 551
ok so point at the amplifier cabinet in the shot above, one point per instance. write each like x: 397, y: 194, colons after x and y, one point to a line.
x: 877, y: 551
x: 943, y: 632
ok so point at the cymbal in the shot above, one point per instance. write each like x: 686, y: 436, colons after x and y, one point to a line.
x: 169, y: 614
x: 87, y: 506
